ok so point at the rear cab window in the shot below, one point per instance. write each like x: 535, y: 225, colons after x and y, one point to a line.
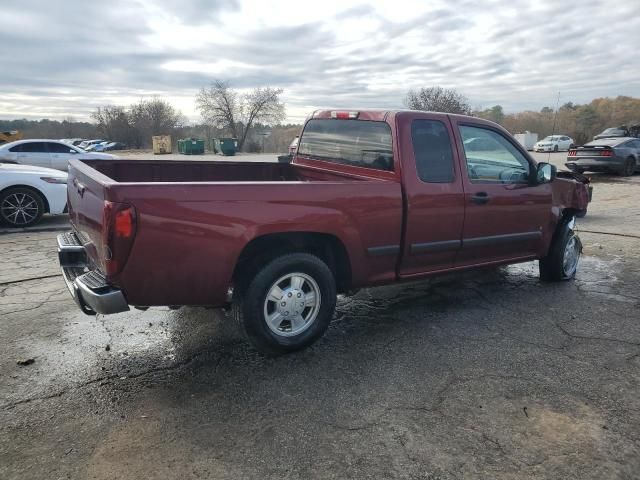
x: 432, y: 150
x: 359, y: 143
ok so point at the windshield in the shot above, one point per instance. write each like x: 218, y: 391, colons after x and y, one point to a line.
x: 352, y: 142
x: 550, y: 139
x: 613, y: 131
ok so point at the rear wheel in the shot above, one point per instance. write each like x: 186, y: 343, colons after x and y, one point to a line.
x: 21, y: 207
x: 629, y: 167
x: 561, y: 263
x: 287, y: 305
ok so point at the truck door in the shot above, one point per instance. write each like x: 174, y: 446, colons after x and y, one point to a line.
x: 505, y: 212
x: 434, y: 193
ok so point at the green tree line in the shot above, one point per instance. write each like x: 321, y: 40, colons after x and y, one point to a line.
x: 136, y: 124
x: 580, y: 122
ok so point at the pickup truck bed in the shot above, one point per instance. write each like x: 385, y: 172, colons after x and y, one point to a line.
x: 371, y: 197
x: 174, y: 171
x: 201, y: 215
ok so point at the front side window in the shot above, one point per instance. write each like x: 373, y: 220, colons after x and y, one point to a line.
x: 17, y: 148
x: 432, y: 149
x: 59, y: 148
x: 491, y: 158
x: 359, y: 143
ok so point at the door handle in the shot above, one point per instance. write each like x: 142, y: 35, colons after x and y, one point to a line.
x: 480, y: 198
x: 80, y: 188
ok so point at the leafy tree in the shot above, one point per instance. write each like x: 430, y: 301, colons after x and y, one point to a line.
x: 235, y: 112
x: 438, y: 99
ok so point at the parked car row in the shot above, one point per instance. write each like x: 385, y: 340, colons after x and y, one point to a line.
x: 95, y: 145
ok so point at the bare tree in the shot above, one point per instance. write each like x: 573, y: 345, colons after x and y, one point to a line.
x: 113, y: 122
x: 438, y: 99
x: 136, y: 125
x: 153, y: 117
x: 223, y: 107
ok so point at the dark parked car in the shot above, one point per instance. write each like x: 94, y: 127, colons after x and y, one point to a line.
x: 617, y: 155
x: 619, y: 132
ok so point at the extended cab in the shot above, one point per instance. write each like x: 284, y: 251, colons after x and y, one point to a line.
x: 370, y: 198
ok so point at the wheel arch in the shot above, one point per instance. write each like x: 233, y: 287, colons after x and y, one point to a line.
x: 45, y: 201
x: 328, y: 247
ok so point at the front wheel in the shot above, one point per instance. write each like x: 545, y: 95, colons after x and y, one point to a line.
x: 287, y: 305
x: 561, y: 263
x: 21, y: 207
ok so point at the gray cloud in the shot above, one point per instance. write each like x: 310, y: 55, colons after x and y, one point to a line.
x: 67, y: 58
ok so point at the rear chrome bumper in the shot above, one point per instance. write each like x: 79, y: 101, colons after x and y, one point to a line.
x: 88, y: 288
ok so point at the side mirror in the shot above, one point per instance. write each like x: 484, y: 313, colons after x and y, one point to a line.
x: 545, y: 173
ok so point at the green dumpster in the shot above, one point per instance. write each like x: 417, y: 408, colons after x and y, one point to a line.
x: 226, y: 146
x: 191, y: 146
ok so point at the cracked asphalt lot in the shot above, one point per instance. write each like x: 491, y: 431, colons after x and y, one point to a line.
x: 490, y: 374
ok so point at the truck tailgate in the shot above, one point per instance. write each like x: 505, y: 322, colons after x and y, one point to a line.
x: 86, y: 200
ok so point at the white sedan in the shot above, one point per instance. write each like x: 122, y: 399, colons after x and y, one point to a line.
x: 27, y: 192
x: 554, y: 143
x: 46, y: 153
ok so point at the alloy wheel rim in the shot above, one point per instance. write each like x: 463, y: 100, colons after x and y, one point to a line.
x: 292, y: 304
x: 19, y: 208
x: 571, y: 256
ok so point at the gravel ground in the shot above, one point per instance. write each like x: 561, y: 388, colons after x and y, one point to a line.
x: 490, y: 374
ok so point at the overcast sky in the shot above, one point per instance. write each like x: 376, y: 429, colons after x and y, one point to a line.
x: 62, y: 58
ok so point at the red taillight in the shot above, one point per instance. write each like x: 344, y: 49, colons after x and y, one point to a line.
x: 119, y: 228
x: 124, y: 223
x: 606, y: 153
x: 572, y: 153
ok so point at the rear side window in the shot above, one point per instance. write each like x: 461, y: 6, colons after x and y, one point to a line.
x: 34, y: 147
x: 432, y: 149
x: 359, y: 143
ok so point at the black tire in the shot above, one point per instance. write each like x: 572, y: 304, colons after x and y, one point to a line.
x: 629, y: 167
x: 555, y: 148
x: 21, y: 207
x: 250, y: 303
x: 552, y: 267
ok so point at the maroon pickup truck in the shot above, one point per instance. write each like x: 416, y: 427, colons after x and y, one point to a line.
x: 369, y: 198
